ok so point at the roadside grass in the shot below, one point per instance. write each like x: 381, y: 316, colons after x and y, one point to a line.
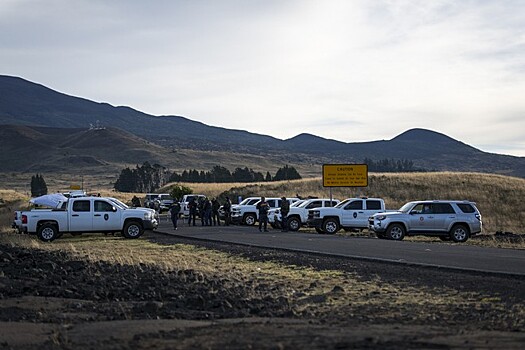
x: 310, y: 292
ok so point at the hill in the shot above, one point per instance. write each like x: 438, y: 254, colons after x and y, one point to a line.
x: 25, y: 103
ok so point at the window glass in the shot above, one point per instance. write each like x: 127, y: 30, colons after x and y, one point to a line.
x: 103, y: 206
x: 314, y: 204
x: 81, y: 206
x: 355, y: 205
x: 373, y: 205
x: 466, y: 208
x: 271, y: 203
x: 443, y: 208
x: 423, y: 208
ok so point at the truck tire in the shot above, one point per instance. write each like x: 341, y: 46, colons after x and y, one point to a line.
x: 294, y: 224
x: 133, y: 229
x: 396, y: 232
x: 249, y: 219
x: 47, y: 232
x: 459, y: 233
x: 331, y: 226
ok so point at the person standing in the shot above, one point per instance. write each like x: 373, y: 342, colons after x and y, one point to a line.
x: 215, y: 205
x: 192, y: 206
x: 206, y: 207
x: 174, y: 211
x: 227, y: 211
x: 285, y: 209
x: 263, y: 209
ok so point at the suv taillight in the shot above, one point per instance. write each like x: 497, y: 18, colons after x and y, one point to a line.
x: 24, y: 219
x: 478, y: 217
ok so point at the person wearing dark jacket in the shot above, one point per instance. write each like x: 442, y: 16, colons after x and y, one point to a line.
x: 263, y: 207
x: 285, y: 209
x: 192, y: 206
x: 227, y: 211
x: 174, y: 211
x: 215, y: 205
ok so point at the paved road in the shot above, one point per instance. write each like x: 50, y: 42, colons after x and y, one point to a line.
x: 454, y: 256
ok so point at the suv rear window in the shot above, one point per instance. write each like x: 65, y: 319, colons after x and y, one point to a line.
x: 466, y: 208
x: 442, y: 208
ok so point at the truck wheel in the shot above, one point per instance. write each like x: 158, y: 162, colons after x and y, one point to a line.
x: 396, y: 232
x: 47, y: 232
x: 133, y: 229
x: 331, y: 226
x: 249, y: 219
x: 459, y: 233
x: 294, y: 224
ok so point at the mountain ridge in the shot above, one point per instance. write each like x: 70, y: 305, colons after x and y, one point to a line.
x: 26, y: 103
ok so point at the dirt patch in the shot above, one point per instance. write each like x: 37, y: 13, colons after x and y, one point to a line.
x: 66, y: 296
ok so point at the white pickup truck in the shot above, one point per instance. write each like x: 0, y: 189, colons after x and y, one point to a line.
x: 298, y: 214
x: 352, y: 213
x: 86, y: 214
x: 246, y: 212
x: 185, y: 209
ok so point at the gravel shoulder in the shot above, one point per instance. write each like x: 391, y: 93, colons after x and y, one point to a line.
x: 167, y: 292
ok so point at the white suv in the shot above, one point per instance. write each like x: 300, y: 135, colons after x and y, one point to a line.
x: 455, y: 220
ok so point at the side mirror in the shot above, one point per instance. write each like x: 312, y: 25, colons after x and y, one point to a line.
x: 413, y: 212
x: 114, y: 209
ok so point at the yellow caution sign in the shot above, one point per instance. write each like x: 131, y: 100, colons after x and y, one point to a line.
x: 345, y: 175
x: 74, y: 187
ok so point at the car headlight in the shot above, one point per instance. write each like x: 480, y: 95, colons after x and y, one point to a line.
x: 316, y: 213
x: 148, y: 215
x: 380, y: 217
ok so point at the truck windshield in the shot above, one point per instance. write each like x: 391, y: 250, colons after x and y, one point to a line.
x: 406, y: 208
x: 343, y: 203
x: 118, y: 203
x: 249, y: 201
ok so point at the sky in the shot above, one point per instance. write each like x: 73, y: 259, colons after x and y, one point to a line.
x: 350, y: 70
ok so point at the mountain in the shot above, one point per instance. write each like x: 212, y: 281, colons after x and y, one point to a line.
x: 48, y: 115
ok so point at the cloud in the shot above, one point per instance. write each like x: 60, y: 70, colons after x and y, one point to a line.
x: 349, y: 70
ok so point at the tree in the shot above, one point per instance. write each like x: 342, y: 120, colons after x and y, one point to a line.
x: 286, y: 173
x: 38, y: 186
x: 178, y: 191
x: 145, y: 178
x: 268, y: 176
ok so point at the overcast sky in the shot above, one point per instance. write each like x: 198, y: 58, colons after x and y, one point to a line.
x: 348, y: 70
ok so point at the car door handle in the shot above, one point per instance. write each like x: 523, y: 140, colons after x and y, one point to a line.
x: 361, y: 212
x: 97, y: 215
x: 74, y: 215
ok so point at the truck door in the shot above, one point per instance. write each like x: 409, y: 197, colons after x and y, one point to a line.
x: 354, y: 214
x: 80, y: 218
x: 106, y: 217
